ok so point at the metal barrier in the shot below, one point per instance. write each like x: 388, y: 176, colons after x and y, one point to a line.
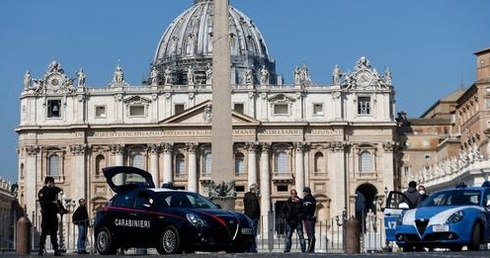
x: 330, y: 236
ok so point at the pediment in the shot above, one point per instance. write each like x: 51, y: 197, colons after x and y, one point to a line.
x: 281, y: 98
x: 136, y: 100
x: 201, y: 114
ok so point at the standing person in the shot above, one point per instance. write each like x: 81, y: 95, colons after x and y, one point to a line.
x: 360, y: 206
x: 309, y: 206
x: 252, y: 210
x: 423, y: 193
x: 292, y: 213
x: 412, y: 194
x: 50, y: 207
x: 80, y: 218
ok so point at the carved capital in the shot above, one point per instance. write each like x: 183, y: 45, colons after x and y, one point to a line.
x: 191, y: 147
x: 252, y: 146
x: 337, y: 146
x: 388, y: 146
x: 154, y: 148
x: 78, y: 149
x: 265, y: 147
x: 32, y: 150
x: 167, y: 147
x: 117, y: 149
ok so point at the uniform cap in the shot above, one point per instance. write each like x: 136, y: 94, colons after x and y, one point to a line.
x: 307, y: 189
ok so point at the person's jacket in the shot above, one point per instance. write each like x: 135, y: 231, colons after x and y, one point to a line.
x: 309, y: 206
x: 252, y: 206
x: 80, y: 216
x: 48, y: 199
x: 413, y: 195
x: 292, y: 211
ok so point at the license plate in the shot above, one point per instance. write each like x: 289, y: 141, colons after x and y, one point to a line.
x: 247, y: 231
x: 440, y: 228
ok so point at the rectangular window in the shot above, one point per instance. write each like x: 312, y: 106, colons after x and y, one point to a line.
x: 317, y: 109
x: 137, y: 110
x: 54, y: 108
x: 238, y: 107
x: 488, y: 103
x: 406, y: 171
x: 282, y: 188
x: 179, y: 108
x: 100, y: 112
x: 281, y: 109
x: 364, y: 105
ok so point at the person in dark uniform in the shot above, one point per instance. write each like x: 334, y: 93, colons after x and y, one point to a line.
x: 309, y: 206
x: 252, y: 210
x: 292, y: 213
x: 50, y: 207
x: 80, y: 218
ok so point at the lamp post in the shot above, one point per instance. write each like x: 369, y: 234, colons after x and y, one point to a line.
x: 65, y: 203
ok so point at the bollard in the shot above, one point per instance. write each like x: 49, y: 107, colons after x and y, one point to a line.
x: 23, y: 236
x: 352, y: 236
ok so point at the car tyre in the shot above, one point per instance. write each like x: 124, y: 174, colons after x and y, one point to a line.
x: 105, y: 242
x: 407, y: 248
x: 475, y: 238
x: 456, y: 248
x: 170, y: 242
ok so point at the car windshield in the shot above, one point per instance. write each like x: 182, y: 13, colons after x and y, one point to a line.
x: 453, y: 197
x: 177, y: 199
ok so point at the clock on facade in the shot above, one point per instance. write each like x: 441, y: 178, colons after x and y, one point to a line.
x: 364, y: 78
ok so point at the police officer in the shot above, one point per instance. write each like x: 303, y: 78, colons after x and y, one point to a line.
x: 309, y: 206
x: 50, y: 207
x: 252, y: 210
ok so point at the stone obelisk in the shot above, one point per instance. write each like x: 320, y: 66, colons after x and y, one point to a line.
x: 221, y: 133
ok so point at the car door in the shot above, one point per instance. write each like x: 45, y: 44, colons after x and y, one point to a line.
x: 396, y: 203
x: 486, y: 211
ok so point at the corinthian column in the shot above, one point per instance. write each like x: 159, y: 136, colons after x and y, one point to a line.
x: 252, y: 163
x: 118, y: 151
x: 192, y: 176
x: 299, y: 167
x: 31, y: 173
x: 78, y: 171
x: 167, y: 162
x: 154, y: 150
x: 265, y: 190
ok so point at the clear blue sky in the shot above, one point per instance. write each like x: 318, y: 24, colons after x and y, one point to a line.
x: 428, y: 45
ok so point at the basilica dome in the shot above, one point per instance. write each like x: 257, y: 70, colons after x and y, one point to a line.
x: 187, y: 44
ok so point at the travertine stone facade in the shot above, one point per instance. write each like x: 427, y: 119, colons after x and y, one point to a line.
x: 334, y: 137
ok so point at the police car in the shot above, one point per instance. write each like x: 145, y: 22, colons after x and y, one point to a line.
x: 450, y: 218
x: 172, y: 221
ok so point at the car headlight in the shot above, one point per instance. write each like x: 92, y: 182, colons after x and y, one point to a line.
x: 196, y: 220
x: 456, y: 217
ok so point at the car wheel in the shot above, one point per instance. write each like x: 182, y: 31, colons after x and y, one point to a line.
x: 475, y: 238
x: 105, y: 242
x: 456, y: 248
x: 170, y: 241
x: 408, y: 248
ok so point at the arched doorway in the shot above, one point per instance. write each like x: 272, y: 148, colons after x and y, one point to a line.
x: 365, y: 202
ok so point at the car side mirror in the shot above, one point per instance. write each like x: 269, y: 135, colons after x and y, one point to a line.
x: 403, y: 206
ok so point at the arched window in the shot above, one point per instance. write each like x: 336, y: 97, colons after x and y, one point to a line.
x: 179, y: 164
x: 239, y: 163
x: 365, y: 162
x: 138, y: 161
x: 319, y: 165
x: 54, y: 165
x: 282, y: 162
x: 99, y: 164
x: 208, y: 157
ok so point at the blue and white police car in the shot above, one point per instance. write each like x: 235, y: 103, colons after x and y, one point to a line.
x: 450, y: 218
x: 172, y: 221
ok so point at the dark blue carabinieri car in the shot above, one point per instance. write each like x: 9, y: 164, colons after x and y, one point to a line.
x: 450, y: 218
x: 172, y: 221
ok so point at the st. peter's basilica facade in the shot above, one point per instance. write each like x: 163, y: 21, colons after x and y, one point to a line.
x: 337, y: 138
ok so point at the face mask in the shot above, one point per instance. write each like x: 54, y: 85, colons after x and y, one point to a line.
x: 422, y: 192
